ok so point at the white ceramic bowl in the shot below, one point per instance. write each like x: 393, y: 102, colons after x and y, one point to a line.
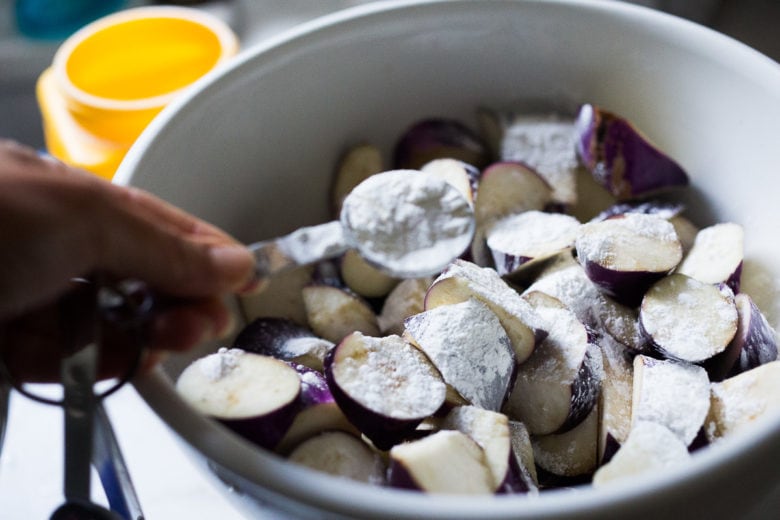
x: 252, y: 149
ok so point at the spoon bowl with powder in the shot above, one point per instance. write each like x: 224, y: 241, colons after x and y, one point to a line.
x: 406, y: 223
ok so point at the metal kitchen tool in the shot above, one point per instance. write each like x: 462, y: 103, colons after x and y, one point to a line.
x: 125, y: 308
x: 78, y: 373
x: 114, y: 475
x: 382, y: 218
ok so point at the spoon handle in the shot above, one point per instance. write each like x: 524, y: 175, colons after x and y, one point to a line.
x: 114, y: 474
x: 304, y: 246
x: 78, y: 377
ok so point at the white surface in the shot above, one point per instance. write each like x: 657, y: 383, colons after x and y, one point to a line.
x: 272, y: 129
x: 168, y: 482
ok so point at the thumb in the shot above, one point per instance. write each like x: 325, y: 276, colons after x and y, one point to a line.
x: 144, y: 237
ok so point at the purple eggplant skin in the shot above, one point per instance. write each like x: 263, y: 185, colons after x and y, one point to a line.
x: 700, y: 441
x: 508, y: 264
x: 383, y: 431
x: 549, y: 480
x: 625, y: 287
x: 267, y: 430
x: 327, y: 272
x: 734, y: 281
x: 620, y: 158
x: 663, y: 209
x: 267, y: 335
x: 753, y: 345
x: 516, y: 481
x: 474, y: 175
x: 437, y: 138
x: 584, y: 394
x: 399, y: 477
x: 611, y: 446
x: 314, y: 386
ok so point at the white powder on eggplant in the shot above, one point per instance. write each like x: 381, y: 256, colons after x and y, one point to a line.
x: 219, y: 364
x: 633, y: 241
x: 671, y: 393
x: 300, y: 346
x: 468, y: 345
x: 688, y: 319
x: 391, y: 377
x: 573, y: 288
x: 547, y: 144
x: 408, y: 222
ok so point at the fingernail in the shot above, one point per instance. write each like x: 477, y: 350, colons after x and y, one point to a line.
x: 234, y: 260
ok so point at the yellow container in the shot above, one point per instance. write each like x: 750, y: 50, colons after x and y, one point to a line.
x: 110, y: 79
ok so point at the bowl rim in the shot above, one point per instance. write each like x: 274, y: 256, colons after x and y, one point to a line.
x: 316, y: 490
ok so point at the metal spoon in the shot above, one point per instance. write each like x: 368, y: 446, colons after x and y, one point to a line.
x: 114, y: 474
x: 78, y: 373
x: 407, y: 223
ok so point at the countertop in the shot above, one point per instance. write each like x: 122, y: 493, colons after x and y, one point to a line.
x: 169, y: 483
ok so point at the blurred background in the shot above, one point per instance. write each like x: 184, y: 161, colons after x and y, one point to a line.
x: 27, y: 44
x: 30, y: 33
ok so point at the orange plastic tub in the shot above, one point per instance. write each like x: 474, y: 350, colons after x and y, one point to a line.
x: 112, y: 77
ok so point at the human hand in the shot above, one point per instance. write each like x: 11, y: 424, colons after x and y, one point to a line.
x: 58, y: 223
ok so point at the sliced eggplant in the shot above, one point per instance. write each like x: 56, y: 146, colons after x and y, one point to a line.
x: 565, y: 279
x: 742, y: 400
x: 467, y: 344
x: 755, y: 339
x: 546, y: 143
x: 319, y: 411
x: 624, y: 255
x: 479, y: 253
x: 355, y: 166
x: 570, y: 454
x: 406, y: 299
x: 672, y: 393
x: 463, y: 280
x: 491, y: 431
x: 686, y: 231
x: 463, y: 176
x: 667, y: 210
x: 281, y: 297
x: 363, y: 278
x: 333, y: 312
x: 523, y: 455
x: 558, y: 386
x: 621, y: 159
x: 673, y: 212
x: 384, y: 386
x: 716, y: 256
x: 615, y: 398
x: 754, y: 343
x: 687, y: 319
x: 592, y: 198
x: 447, y: 462
x: 520, y: 241
x: 340, y: 454
x: 622, y: 325
x: 283, y: 339
x: 438, y: 138
x: 650, y: 447
x: 256, y: 396
x: 506, y: 188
